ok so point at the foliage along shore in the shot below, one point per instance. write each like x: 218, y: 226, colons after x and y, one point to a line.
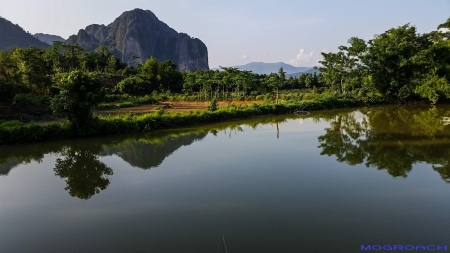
x: 397, y: 66
x: 161, y: 120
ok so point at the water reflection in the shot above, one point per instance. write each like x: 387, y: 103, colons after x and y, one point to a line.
x: 150, y: 152
x: 391, y: 139
x: 85, y: 175
x: 387, y: 138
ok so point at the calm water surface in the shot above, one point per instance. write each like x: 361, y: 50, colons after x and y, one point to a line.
x: 328, y: 182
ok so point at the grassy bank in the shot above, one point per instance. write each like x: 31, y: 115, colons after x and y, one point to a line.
x: 12, y: 135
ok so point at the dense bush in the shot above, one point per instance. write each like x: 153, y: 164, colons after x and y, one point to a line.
x: 134, y: 85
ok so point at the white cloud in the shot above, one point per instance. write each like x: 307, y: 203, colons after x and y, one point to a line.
x: 244, y: 56
x: 302, y: 58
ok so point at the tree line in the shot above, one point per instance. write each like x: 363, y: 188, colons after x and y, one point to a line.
x: 399, y: 64
x: 40, y: 72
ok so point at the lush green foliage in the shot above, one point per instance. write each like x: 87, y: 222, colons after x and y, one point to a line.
x: 160, y: 120
x: 399, y: 63
x: 133, y: 85
x: 79, y: 95
x: 231, y: 83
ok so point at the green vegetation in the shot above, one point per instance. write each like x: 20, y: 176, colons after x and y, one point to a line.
x: 120, y: 101
x: 397, y: 66
x: 212, y: 105
x: 79, y: 94
x: 159, y: 120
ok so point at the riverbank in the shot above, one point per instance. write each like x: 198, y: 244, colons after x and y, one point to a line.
x: 161, y: 120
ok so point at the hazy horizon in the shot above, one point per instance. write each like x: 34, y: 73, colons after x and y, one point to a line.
x: 237, y: 32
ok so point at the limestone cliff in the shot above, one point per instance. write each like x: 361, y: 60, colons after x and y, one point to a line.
x: 140, y: 33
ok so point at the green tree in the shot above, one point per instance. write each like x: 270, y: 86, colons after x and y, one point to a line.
x: 433, y: 80
x: 275, y: 82
x: 390, y: 60
x: 78, y: 96
x: 133, y: 85
x: 8, y: 68
x: 446, y: 24
x: 34, y: 71
x: 339, y: 69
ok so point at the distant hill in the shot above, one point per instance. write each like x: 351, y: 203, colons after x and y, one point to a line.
x: 267, y: 68
x: 140, y: 33
x: 48, y: 38
x: 296, y: 75
x: 12, y: 35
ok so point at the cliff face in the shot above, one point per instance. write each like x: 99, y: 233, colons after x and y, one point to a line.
x: 12, y: 35
x: 141, y: 33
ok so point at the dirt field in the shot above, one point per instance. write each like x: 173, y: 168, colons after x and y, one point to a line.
x: 170, y: 107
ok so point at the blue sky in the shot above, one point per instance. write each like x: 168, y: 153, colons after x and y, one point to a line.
x: 238, y: 32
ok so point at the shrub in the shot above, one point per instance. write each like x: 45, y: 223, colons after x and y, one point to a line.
x: 212, y: 105
x: 133, y: 85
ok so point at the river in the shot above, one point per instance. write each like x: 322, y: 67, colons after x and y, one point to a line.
x: 331, y: 181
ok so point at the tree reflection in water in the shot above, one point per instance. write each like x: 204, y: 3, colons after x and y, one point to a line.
x: 391, y: 140
x: 84, y: 174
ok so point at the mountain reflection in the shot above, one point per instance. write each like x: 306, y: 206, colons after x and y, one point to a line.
x: 85, y: 175
x: 149, y: 153
x: 391, y: 139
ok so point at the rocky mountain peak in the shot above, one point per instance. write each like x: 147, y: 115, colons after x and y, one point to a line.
x: 140, y: 33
